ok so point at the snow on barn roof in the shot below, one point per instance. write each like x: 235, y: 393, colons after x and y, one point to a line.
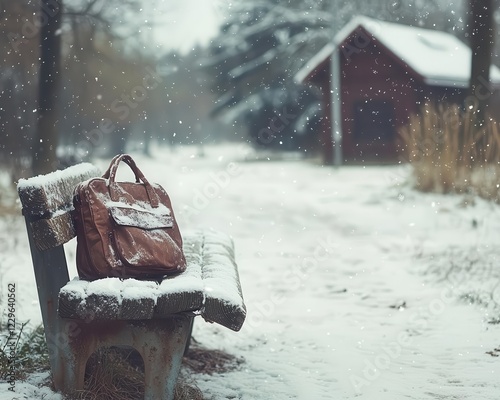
x: 439, y: 57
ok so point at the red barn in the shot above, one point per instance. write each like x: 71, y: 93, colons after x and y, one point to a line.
x: 382, y: 72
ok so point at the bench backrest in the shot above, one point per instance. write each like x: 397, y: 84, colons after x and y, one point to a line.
x: 47, y: 202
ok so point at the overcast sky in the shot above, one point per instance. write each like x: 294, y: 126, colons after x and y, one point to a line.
x: 182, y: 24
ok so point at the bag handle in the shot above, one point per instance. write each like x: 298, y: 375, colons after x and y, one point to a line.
x: 139, y: 176
x: 108, y: 171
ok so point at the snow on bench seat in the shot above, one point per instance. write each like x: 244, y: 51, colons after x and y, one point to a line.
x: 209, y: 286
x: 138, y: 299
x: 183, y: 292
x: 223, y: 295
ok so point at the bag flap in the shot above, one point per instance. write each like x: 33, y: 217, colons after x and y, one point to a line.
x: 141, y: 218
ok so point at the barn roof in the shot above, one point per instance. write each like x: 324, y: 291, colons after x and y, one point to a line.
x: 439, y: 57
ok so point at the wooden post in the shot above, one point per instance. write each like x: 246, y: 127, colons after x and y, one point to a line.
x: 336, y: 107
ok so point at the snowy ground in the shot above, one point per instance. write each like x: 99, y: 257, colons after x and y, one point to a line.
x: 356, y: 286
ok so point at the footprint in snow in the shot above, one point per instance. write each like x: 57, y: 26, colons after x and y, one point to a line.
x: 399, y: 306
x: 495, y: 352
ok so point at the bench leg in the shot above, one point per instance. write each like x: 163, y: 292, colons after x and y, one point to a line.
x: 162, y: 354
x: 67, y: 365
x: 70, y: 371
x: 161, y: 344
x: 69, y: 352
x: 190, y: 336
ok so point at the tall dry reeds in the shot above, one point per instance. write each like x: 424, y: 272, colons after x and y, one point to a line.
x: 450, y: 154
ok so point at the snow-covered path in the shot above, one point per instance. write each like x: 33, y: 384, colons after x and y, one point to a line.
x: 343, y: 273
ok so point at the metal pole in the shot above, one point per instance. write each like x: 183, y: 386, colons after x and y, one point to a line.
x: 335, y: 106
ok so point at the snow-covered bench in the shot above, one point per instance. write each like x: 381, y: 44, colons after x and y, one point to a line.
x: 154, y: 318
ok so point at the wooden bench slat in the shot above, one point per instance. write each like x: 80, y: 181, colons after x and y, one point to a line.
x: 103, y: 299
x: 223, y: 295
x: 71, y: 296
x: 183, y: 292
x: 49, y: 233
x: 138, y: 299
x: 41, y: 196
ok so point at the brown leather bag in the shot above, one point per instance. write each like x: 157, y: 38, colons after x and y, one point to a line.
x: 125, y: 229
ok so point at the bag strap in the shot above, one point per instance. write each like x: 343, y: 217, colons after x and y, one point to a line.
x: 139, y: 176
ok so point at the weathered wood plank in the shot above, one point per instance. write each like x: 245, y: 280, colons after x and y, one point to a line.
x: 71, y: 297
x: 44, y: 195
x: 103, y: 300
x: 138, y: 299
x: 183, y: 292
x: 49, y: 233
x: 224, y: 302
x: 108, y: 298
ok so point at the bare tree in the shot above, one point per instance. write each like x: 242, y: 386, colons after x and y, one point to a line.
x: 481, y: 29
x: 115, y: 20
x: 47, y: 134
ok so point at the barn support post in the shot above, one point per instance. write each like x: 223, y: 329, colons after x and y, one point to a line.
x: 336, y: 107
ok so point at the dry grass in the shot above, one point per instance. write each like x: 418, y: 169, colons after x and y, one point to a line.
x: 113, y: 373
x: 31, y: 354
x: 449, y: 154
x: 118, y: 374
x: 204, y: 361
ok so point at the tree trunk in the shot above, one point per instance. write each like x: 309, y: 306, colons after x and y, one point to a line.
x: 47, y: 133
x: 481, y: 30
